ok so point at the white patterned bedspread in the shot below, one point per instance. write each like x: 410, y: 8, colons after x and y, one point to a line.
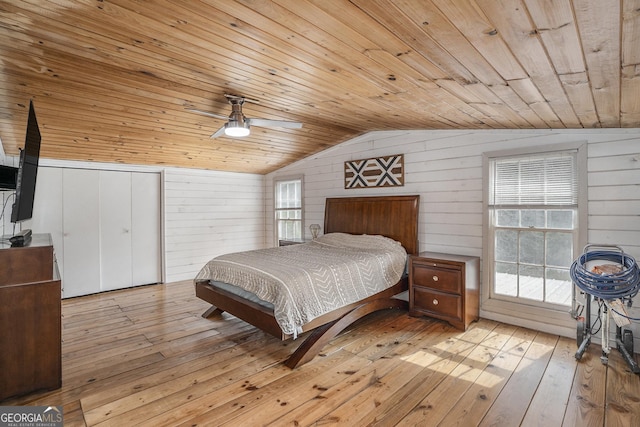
x: 307, y: 280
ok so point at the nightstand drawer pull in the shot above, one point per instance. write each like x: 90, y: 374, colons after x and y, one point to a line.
x: 435, y: 301
x: 435, y: 278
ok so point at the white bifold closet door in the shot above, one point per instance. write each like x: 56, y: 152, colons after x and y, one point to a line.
x: 129, y: 229
x: 105, y: 226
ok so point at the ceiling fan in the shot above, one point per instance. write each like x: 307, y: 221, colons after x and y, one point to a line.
x: 237, y: 124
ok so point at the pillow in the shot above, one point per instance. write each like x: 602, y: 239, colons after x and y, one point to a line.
x: 359, y: 241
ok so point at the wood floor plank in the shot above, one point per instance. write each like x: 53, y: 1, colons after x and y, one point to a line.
x: 385, y: 331
x: 623, y: 392
x: 146, y: 357
x: 151, y: 330
x: 343, y: 393
x: 82, y: 305
x: 80, y: 373
x: 511, y: 404
x: 438, y: 403
x: 587, y: 399
x: 73, y: 416
x: 438, y: 361
x: 549, y: 403
x: 473, y: 406
x: 103, y: 317
x: 327, y: 409
x: 189, y: 363
x: 73, y: 390
x: 241, y: 395
x: 163, y: 399
x: 374, y: 324
x: 279, y: 401
x: 419, y: 371
x: 378, y: 341
x: 118, y: 358
x: 111, y: 380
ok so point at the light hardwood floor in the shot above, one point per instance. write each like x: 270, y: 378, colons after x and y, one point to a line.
x: 145, y: 357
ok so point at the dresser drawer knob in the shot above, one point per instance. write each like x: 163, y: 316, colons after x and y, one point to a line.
x: 435, y: 301
x: 435, y: 278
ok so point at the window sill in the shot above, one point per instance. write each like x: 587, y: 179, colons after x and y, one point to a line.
x: 553, y: 321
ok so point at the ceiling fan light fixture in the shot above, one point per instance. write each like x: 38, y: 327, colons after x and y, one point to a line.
x: 238, y: 125
x: 236, y: 129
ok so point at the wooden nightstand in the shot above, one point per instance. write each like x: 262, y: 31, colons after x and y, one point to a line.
x: 444, y: 286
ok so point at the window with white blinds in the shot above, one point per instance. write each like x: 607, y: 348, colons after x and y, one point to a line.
x: 535, y: 180
x: 533, y: 226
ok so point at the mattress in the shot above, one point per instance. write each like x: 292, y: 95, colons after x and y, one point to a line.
x: 302, y: 282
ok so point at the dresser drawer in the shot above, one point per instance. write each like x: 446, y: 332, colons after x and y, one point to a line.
x: 428, y: 301
x: 442, y: 279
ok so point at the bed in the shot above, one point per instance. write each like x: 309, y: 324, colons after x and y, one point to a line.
x: 395, y: 217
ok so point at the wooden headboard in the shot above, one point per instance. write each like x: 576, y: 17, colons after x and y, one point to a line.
x: 391, y: 216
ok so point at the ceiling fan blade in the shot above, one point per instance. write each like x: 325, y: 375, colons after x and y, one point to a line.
x: 206, y: 113
x: 219, y: 132
x: 274, y: 123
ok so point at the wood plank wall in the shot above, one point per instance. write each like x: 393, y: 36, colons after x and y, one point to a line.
x: 445, y: 168
x: 207, y: 214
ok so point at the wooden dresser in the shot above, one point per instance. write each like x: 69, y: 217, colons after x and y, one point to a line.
x: 30, y: 318
x: 444, y: 286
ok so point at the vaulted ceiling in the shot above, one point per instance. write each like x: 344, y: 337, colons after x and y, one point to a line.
x: 113, y: 80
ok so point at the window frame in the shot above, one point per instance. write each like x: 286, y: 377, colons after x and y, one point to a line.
x: 276, y: 221
x: 546, y: 317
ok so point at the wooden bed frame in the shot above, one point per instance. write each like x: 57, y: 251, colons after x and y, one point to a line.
x: 392, y: 216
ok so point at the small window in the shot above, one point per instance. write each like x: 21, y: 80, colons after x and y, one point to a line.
x: 288, y: 209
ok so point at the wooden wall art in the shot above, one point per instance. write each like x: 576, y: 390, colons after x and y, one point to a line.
x: 376, y: 172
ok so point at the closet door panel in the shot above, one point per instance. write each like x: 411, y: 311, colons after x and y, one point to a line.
x: 47, y: 210
x: 115, y: 230
x: 145, y: 218
x: 81, y: 237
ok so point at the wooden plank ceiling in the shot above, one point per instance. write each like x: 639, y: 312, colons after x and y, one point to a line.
x: 112, y: 80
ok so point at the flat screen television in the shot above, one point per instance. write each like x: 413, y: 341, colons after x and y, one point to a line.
x: 27, y: 171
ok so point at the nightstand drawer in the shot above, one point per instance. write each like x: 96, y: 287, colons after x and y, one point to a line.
x: 442, y: 279
x: 432, y: 302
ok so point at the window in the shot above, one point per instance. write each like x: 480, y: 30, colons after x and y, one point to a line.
x: 288, y: 209
x: 533, y: 211
x: 534, y: 221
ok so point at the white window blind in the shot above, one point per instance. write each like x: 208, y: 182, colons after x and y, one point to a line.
x: 289, y: 194
x: 549, y: 179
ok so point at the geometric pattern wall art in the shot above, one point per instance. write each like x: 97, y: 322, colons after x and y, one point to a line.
x: 385, y: 171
